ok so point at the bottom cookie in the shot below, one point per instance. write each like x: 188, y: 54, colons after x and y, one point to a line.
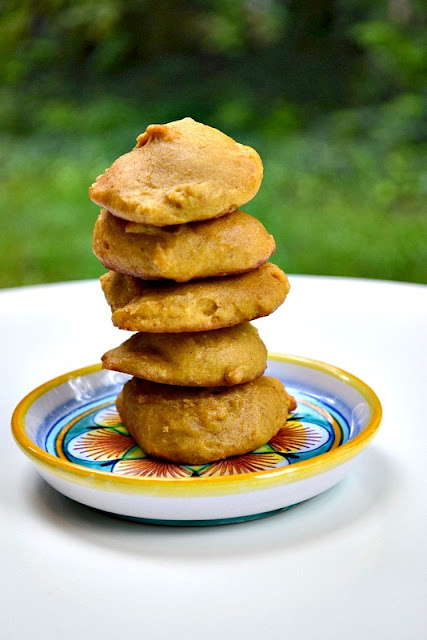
x: 197, y: 426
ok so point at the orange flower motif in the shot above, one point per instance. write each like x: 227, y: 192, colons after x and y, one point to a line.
x: 100, y: 445
x: 150, y: 468
x: 244, y: 464
x: 296, y: 436
x: 107, y: 417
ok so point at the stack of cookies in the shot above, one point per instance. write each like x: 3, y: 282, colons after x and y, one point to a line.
x: 188, y: 271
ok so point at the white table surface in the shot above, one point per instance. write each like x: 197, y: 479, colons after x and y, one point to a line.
x: 350, y: 563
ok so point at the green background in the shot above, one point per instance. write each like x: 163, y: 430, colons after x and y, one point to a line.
x: 329, y: 93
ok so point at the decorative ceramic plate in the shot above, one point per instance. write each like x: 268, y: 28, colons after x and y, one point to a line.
x: 70, y: 429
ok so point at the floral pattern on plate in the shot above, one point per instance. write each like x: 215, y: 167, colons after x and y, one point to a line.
x: 94, y: 437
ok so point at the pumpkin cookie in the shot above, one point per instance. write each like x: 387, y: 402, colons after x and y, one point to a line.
x: 197, y: 426
x: 203, y: 359
x: 201, y: 305
x: 234, y: 243
x: 179, y: 172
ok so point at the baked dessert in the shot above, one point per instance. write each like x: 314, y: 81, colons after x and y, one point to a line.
x: 233, y: 243
x: 202, y: 359
x: 179, y: 172
x: 188, y: 270
x: 201, y: 305
x: 197, y: 426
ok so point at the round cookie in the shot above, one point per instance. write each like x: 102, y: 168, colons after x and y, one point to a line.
x: 179, y: 172
x: 200, y: 305
x: 234, y: 243
x: 197, y: 426
x: 203, y: 359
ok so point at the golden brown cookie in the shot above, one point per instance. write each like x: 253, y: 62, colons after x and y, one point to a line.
x: 179, y: 172
x: 203, y: 359
x: 234, y: 243
x: 197, y: 426
x: 200, y: 305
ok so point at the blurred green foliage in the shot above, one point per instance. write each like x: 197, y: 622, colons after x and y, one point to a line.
x: 331, y: 93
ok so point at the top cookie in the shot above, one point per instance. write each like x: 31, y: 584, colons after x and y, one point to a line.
x: 179, y: 172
